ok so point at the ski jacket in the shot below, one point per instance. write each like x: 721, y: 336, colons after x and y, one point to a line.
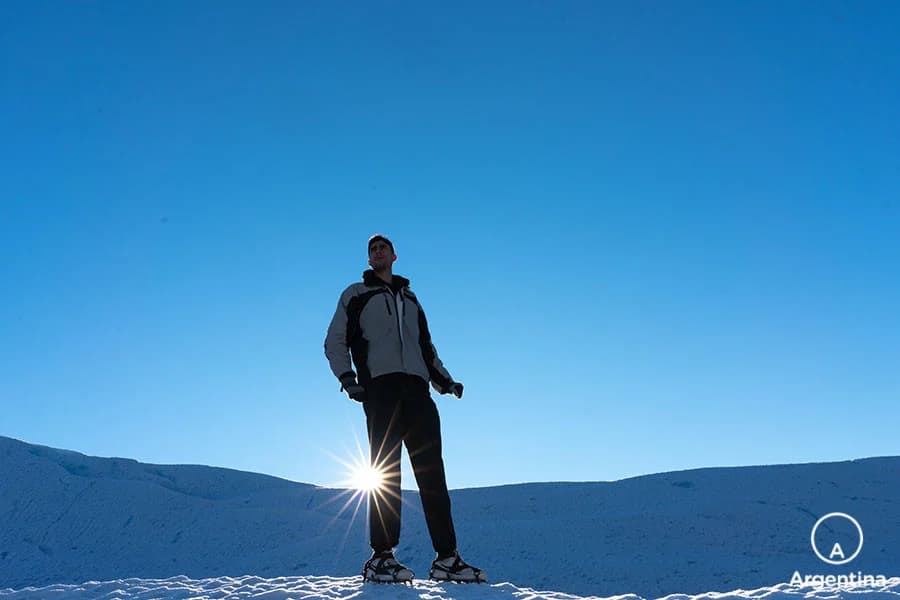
x: 383, y: 328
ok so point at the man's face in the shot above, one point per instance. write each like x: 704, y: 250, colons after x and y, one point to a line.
x: 380, y: 255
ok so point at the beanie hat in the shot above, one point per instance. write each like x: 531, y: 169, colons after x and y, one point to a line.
x: 377, y: 237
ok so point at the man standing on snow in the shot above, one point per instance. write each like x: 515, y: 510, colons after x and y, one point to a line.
x: 380, y: 323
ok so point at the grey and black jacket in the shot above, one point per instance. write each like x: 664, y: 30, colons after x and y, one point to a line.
x: 383, y: 328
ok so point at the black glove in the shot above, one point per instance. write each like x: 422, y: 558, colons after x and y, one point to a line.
x: 455, y: 388
x: 353, y: 389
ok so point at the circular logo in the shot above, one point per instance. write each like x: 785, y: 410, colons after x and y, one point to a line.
x: 812, y: 538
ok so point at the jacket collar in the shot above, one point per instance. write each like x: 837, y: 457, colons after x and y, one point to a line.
x: 371, y: 279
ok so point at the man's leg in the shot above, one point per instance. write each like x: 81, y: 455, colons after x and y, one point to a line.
x: 423, y: 443
x: 385, y: 428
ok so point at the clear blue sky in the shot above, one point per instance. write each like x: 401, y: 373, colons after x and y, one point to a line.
x: 648, y: 236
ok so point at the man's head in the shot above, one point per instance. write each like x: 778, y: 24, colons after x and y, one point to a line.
x: 381, y: 252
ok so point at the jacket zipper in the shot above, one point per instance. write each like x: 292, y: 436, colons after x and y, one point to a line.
x: 399, y: 307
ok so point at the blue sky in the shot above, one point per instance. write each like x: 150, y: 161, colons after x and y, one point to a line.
x: 648, y: 236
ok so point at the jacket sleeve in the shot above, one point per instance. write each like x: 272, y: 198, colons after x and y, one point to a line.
x: 337, y: 350
x: 440, y: 377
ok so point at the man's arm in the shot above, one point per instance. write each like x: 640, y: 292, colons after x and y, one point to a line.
x: 337, y: 350
x: 436, y: 370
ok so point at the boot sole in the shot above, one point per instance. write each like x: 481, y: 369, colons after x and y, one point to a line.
x: 451, y: 579
x: 386, y: 580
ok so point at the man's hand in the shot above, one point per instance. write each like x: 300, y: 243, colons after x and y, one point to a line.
x: 353, y: 389
x: 455, y: 388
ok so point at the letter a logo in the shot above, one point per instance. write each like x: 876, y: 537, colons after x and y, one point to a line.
x: 836, y: 551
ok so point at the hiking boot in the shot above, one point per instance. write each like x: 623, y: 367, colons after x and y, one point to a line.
x: 384, y: 568
x: 454, y: 568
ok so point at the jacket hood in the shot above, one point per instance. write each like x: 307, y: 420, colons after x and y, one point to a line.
x: 397, y: 283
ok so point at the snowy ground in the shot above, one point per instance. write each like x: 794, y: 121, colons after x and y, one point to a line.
x: 341, y: 588
x: 67, y: 518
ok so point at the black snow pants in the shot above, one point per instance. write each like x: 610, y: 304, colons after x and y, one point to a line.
x: 399, y: 409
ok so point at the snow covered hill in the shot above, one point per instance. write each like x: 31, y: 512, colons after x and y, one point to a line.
x: 66, y: 518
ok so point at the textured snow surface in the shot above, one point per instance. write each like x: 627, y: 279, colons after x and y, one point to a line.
x: 335, y: 588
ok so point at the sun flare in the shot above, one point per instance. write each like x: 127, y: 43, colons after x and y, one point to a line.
x: 365, y: 478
